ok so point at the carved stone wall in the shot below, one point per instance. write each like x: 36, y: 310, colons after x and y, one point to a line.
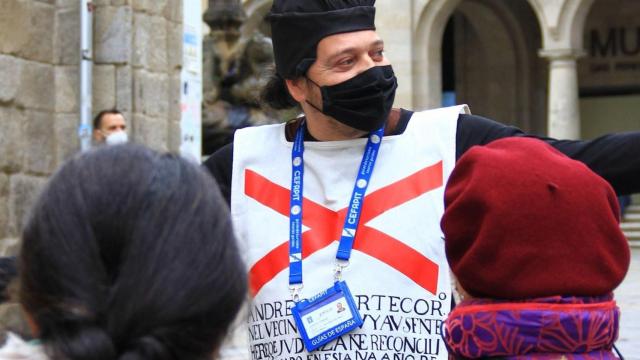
x: 137, y: 55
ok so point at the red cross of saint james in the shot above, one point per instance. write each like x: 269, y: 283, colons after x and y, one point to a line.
x: 325, y: 226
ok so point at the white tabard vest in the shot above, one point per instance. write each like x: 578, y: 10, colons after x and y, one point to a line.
x: 398, y: 272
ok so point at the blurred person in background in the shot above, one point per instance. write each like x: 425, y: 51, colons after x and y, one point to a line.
x: 128, y: 254
x: 109, y: 127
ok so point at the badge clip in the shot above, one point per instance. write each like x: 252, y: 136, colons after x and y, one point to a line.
x: 337, y: 270
x: 295, y: 290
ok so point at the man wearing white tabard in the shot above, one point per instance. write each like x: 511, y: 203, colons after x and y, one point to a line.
x: 330, y: 62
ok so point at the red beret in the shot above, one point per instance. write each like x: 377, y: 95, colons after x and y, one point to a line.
x: 523, y: 220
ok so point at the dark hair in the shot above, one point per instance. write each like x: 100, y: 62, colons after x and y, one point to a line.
x: 276, y: 95
x: 129, y: 254
x: 316, y: 6
x: 97, y: 120
x: 8, y: 273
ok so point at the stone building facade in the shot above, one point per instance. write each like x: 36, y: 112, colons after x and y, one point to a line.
x: 137, y: 62
x: 531, y: 63
x: 518, y: 61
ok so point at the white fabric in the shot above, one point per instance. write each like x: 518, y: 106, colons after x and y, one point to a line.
x: 17, y: 349
x: 117, y: 138
x: 400, y: 316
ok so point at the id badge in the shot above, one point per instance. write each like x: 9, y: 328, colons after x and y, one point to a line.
x: 326, y: 316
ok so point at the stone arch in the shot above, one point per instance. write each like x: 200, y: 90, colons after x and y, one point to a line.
x: 562, y: 28
x: 427, y: 42
x: 504, y: 59
x: 429, y: 30
x: 563, y: 25
x: 576, y: 16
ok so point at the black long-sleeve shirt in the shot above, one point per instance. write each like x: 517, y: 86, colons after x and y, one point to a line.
x: 615, y: 157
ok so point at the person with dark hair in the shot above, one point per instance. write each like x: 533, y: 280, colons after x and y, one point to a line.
x: 109, y: 127
x: 537, y: 280
x: 357, y: 186
x: 129, y: 254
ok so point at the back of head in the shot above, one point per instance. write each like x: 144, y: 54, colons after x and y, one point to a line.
x: 524, y: 221
x: 129, y: 254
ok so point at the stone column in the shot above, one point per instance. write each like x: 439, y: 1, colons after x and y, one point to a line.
x: 137, y: 64
x: 563, y: 107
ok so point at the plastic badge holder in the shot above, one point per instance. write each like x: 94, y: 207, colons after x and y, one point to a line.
x: 326, y: 316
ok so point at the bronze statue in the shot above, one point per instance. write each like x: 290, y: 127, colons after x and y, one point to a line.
x: 238, y: 58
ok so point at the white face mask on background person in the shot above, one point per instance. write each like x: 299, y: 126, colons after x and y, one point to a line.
x: 115, y: 138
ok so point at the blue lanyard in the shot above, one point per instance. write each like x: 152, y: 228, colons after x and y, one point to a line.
x: 353, y: 213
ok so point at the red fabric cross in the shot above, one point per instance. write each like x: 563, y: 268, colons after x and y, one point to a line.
x: 326, y: 226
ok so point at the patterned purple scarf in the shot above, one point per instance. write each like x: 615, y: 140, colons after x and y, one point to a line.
x: 579, y: 327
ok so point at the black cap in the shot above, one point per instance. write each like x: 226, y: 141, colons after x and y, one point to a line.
x: 297, y: 26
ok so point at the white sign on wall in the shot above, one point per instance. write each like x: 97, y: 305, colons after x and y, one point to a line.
x: 191, y: 81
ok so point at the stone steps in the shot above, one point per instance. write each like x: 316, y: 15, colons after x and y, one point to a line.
x: 634, y: 243
x: 632, y: 235
x: 633, y: 209
x: 631, y: 225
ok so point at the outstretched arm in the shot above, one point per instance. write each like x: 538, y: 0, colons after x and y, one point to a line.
x: 615, y: 157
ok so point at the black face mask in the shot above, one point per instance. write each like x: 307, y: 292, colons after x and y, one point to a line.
x: 362, y: 102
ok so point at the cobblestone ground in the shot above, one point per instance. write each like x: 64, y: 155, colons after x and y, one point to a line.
x: 628, y: 298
